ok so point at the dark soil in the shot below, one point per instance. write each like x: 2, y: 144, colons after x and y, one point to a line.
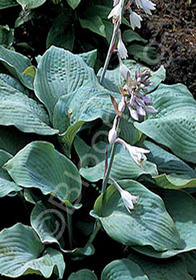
x: 172, y: 29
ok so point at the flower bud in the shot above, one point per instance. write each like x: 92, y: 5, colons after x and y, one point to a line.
x: 112, y: 135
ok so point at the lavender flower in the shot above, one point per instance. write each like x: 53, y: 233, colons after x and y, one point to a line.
x: 134, y: 94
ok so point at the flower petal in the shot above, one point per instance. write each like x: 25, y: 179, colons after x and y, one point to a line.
x: 135, y: 20
x: 122, y: 51
x: 116, y: 11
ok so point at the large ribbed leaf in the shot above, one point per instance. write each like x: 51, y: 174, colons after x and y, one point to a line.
x: 147, y: 224
x: 6, y: 184
x: 39, y: 165
x: 83, y: 274
x: 113, y: 78
x: 48, y: 222
x: 69, y: 89
x: 9, y: 80
x: 174, y: 268
x: 21, y: 252
x: 123, y: 269
x: 16, y: 63
x: 89, y: 57
x: 182, y: 208
x: 173, y: 172
x: 175, y: 123
x: 23, y: 112
x: 59, y: 72
x: 89, y: 102
x: 124, y: 167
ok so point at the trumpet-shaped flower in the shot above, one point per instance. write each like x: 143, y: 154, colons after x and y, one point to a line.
x: 128, y: 199
x: 135, y: 20
x: 121, y: 105
x: 138, y: 154
x: 146, y: 5
x: 124, y: 70
x: 122, y: 51
x: 112, y: 135
x: 116, y: 12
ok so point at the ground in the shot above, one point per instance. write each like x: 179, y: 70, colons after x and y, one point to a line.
x: 172, y: 29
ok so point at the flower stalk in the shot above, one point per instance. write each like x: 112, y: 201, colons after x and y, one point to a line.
x: 110, y: 51
x: 116, y: 14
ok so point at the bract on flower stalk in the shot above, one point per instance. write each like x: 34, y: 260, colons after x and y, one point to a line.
x: 128, y: 199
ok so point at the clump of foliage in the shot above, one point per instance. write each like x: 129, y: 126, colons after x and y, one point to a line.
x: 111, y: 153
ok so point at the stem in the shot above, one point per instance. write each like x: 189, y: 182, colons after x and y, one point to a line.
x: 110, y: 50
x: 96, y: 229
x: 106, y: 177
x: 107, y: 174
x: 116, y: 185
x: 69, y: 225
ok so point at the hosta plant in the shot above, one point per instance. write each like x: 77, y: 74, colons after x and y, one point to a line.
x: 108, y: 156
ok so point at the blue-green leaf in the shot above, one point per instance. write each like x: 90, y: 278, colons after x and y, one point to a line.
x: 173, y: 172
x: 49, y: 223
x: 113, y: 78
x: 23, y: 112
x: 16, y: 63
x: 174, y: 268
x: 6, y: 184
x: 83, y: 274
x: 174, y: 125
x: 123, y: 269
x: 89, y: 57
x: 148, y: 223
x: 70, y: 90
x: 21, y: 252
x: 124, y: 167
x: 182, y: 208
x: 39, y: 165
